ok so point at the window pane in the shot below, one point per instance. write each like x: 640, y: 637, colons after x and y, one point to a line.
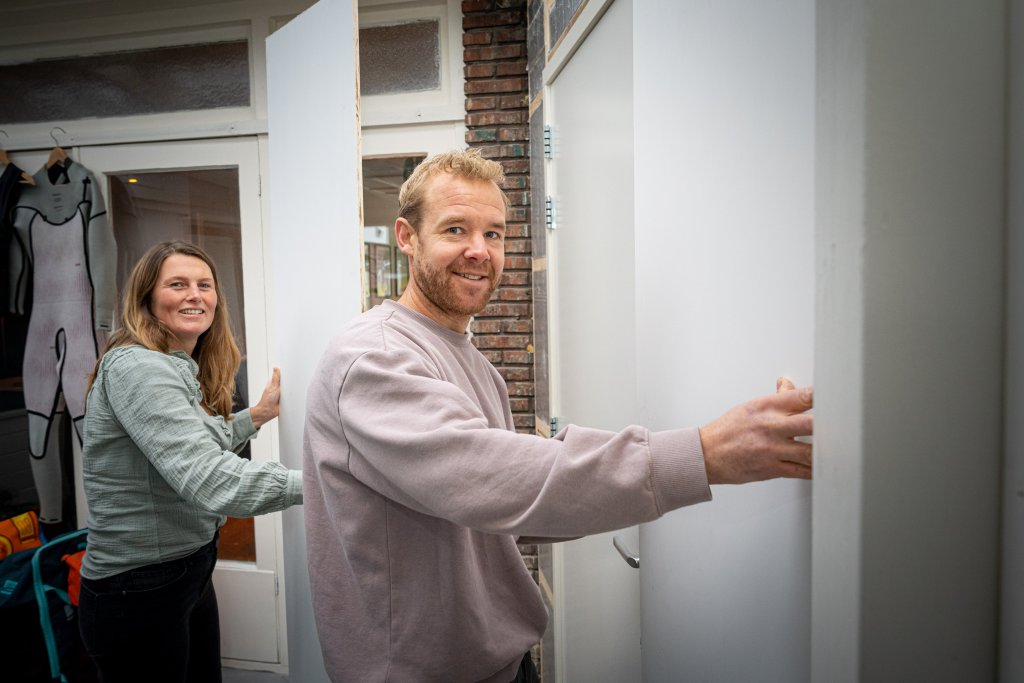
x: 384, y: 69
x: 181, y: 78
x: 385, y: 268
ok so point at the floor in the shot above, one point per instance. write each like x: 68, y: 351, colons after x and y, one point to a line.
x: 242, y: 676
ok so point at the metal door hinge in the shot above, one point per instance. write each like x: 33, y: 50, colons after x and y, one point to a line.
x: 548, y: 153
x: 277, y: 587
x: 549, y: 212
x: 556, y: 425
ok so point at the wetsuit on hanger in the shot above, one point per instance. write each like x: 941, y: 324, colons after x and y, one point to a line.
x: 64, y: 240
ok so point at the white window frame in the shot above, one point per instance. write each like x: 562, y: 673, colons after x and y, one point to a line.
x: 445, y: 104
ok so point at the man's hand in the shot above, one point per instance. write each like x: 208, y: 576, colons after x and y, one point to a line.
x: 269, y: 406
x: 756, y: 440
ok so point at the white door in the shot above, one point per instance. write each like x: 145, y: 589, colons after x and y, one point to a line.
x: 208, y: 192
x: 683, y: 247
x: 593, y: 344
x: 724, y: 114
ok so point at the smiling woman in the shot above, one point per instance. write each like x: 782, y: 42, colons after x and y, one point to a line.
x: 161, y: 471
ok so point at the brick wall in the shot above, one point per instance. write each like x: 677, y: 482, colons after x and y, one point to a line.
x: 497, y: 121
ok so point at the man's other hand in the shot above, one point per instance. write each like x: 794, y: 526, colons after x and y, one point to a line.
x: 756, y: 440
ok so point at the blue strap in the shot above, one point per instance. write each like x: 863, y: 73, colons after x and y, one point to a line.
x: 44, y: 608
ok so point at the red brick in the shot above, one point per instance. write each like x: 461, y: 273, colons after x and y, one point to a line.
x: 499, y: 151
x: 510, y: 35
x: 517, y: 326
x: 514, y: 133
x: 511, y: 68
x: 505, y: 341
x: 504, y: 309
x: 513, y: 166
x: 475, y: 103
x: 481, y: 135
x: 495, y: 118
x: 494, y: 53
x: 514, y: 101
x: 515, y: 278
x: 497, y: 85
x: 471, y: 21
x: 493, y: 357
x: 514, y: 294
x: 521, y: 405
x: 516, y: 230
x: 521, y: 373
x: 518, y: 198
x: 476, y: 38
x: 517, y: 357
x: 476, y: 5
x: 518, y: 263
x: 484, y: 70
x: 486, y: 326
x: 512, y: 182
x: 517, y: 246
x: 525, y: 424
x: 520, y: 388
x: 516, y: 215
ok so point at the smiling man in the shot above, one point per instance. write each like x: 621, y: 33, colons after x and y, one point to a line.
x: 417, y: 486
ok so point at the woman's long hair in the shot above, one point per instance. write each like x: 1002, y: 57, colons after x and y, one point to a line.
x: 216, y: 351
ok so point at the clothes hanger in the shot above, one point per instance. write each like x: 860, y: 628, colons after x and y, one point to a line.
x: 57, y: 154
x: 25, y: 179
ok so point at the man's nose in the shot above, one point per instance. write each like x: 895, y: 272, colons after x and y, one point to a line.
x: 477, y: 247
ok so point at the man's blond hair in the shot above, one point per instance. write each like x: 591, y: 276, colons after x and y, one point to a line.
x: 465, y: 163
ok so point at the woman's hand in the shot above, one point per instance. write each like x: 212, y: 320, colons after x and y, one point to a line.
x: 269, y: 406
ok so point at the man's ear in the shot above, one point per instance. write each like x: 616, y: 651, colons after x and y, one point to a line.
x: 405, y: 235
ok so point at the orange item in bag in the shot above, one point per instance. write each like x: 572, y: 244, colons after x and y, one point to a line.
x: 74, y: 562
x: 20, y: 532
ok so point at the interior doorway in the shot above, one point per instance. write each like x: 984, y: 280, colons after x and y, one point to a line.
x: 208, y: 192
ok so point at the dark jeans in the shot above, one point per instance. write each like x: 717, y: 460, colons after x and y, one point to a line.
x: 157, y: 623
x: 527, y: 671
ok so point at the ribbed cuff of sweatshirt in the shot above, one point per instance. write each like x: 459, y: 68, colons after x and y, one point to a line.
x: 677, y: 468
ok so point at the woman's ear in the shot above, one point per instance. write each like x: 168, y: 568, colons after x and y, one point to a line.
x: 405, y: 235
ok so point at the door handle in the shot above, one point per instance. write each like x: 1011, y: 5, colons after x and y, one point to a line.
x: 631, y: 558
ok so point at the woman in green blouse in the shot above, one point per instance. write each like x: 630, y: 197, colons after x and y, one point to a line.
x: 161, y: 473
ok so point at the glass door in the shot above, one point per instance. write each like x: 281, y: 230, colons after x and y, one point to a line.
x: 208, y: 192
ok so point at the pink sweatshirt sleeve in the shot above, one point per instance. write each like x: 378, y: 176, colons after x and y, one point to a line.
x: 422, y: 441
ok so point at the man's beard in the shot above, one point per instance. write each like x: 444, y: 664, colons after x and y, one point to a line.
x: 433, y: 283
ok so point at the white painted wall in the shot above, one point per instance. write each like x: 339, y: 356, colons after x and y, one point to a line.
x: 315, y: 251
x: 909, y: 345
x: 724, y: 121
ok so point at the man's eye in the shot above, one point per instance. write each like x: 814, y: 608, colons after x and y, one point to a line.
x: 454, y: 230
x: 495, y: 235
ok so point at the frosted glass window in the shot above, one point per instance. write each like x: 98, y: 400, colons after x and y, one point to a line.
x: 180, y: 78
x: 384, y: 69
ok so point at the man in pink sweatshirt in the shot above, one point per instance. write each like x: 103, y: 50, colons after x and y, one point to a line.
x: 417, y: 485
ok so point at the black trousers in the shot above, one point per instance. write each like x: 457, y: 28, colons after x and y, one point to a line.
x: 157, y: 623
x: 527, y: 671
